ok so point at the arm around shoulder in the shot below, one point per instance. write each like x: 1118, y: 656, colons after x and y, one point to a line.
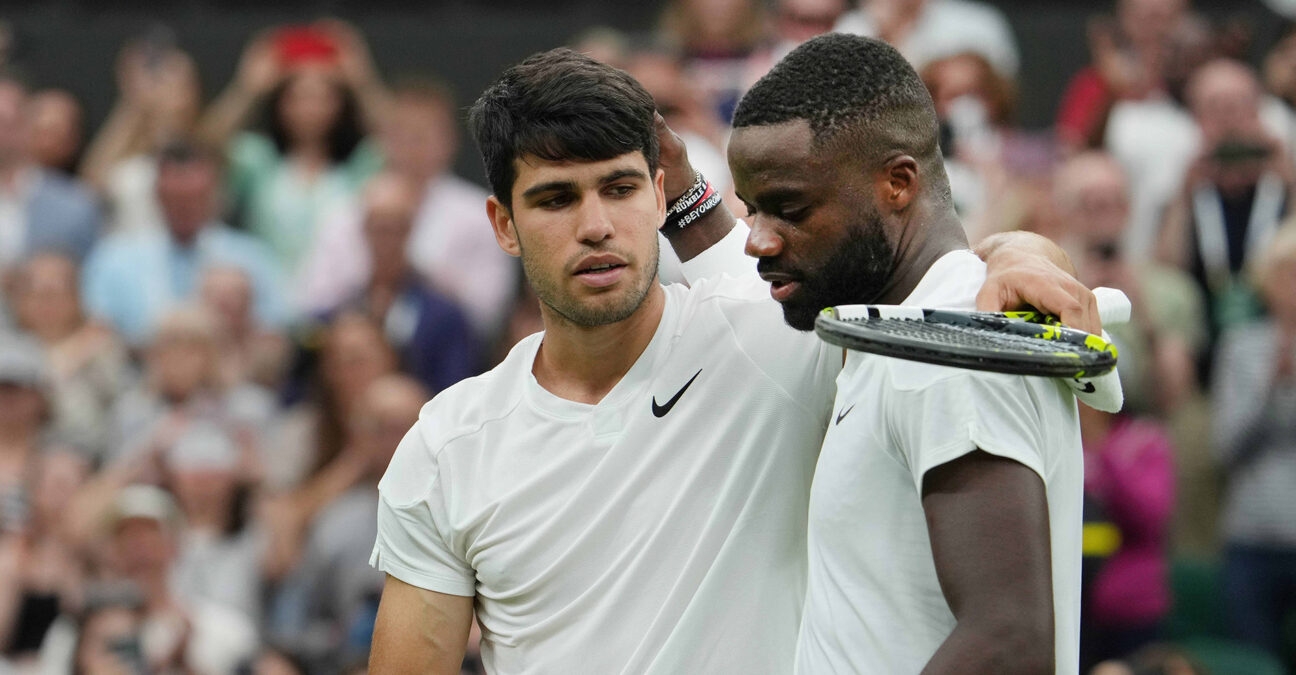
x: 420, y: 631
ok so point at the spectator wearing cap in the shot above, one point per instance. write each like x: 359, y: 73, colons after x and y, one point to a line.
x: 212, y: 473
x: 39, y: 209
x: 132, y: 278
x: 140, y: 539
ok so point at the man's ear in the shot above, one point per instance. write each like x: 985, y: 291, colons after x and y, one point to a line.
x: 659, y: 184
x: 502, y: 223
x: 897, y: 183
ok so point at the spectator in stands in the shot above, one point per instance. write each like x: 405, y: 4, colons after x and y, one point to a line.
x: 109, y: 632
x: 1167, y: 330
x: 1234, y: 195
x: 1127, y: 62
x: 429, y: 332
x: 88, y: 364
x: 43, y: 568
x: 1160, y: 345
x: 212, y: 469
x: 332, y: 593
x: 351, y: 354
x: 717, y: 38
x: 182, y: 387
x: 452, y: 245
x: 927, y: 30
x: 1255, y: 437
x: 132, y: 278
x: 321, y: 96
x: 24, y: 416
x: 1155, y: 137
x: 56, y: 130
x: 795, y: 21
x: 991, y: 163
x: 1130, y: 477
x: 158, y: 100
x: 25, y: 409
x: 184, y: 633
x: 249, y: 351
x: 39, y: 209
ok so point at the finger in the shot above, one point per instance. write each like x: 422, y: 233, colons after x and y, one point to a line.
x: 995, y: 297
x: 1074, y: 304
x: 1084, y: 313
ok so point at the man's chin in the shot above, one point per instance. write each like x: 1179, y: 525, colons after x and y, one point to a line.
x: 800, y: 317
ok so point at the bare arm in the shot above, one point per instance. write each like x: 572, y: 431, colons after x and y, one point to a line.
x: 419, y: 631
x: 987, y: 518
x: 258, y: 73
x: 118, y: 138
x: 126, y: 131
x: 1027, y: 269
x: 707, y: 230
x: 357, y: 69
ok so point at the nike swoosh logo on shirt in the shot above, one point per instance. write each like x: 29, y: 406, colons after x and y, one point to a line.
x: 1086, y: 387
x: 661, y: 410
x: 842, y: 415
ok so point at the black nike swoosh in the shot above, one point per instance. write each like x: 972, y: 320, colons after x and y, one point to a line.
x: 661, y: 410
x: 1088, y: 388
x: 842, y: 415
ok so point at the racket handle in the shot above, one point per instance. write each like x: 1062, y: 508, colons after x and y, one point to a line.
x: 1113, y: 306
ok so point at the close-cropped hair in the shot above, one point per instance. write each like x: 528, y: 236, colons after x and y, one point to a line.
x: 855, y: 92
x: 560, y: 105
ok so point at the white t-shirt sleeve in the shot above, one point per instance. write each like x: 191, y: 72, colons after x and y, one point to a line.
x: 953, y: 413
x: 413, y: 543
x: 725, y: 257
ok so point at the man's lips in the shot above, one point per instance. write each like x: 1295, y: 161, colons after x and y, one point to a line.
x: 782, y: 285
x: 599, y: 271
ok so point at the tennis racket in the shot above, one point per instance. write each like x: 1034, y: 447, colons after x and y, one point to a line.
x: 1017, y: 343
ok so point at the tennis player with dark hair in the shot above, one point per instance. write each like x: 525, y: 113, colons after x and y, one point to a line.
x: 945, y: 514
x: 626, y: 492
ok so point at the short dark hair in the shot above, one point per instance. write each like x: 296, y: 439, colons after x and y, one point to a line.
x: 852, y: 90
x: 560, y: 105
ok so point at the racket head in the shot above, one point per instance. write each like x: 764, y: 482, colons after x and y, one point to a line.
x: 1015, y: 343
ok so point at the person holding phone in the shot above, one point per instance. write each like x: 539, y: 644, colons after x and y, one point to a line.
x: 321, y: 98
x: 1234, y: 196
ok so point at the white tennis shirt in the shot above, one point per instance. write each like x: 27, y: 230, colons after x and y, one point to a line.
x: 659, y: 531
x: 874, y: 604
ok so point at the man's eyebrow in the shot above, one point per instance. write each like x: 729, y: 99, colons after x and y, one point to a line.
x: 551, y: 186
x: 622, y: 173
x: 567, y: 185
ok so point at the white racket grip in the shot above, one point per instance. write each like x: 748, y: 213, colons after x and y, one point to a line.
x: 1113, y: 305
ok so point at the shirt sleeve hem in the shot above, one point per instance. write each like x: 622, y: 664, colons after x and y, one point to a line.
x: 956, y: 449
x: 430, y: 582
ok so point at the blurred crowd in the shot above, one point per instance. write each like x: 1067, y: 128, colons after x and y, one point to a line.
x: 221, y: 313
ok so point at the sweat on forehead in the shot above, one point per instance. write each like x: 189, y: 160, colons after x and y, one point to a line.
x: 836, y: 82
x: 560, y: 105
